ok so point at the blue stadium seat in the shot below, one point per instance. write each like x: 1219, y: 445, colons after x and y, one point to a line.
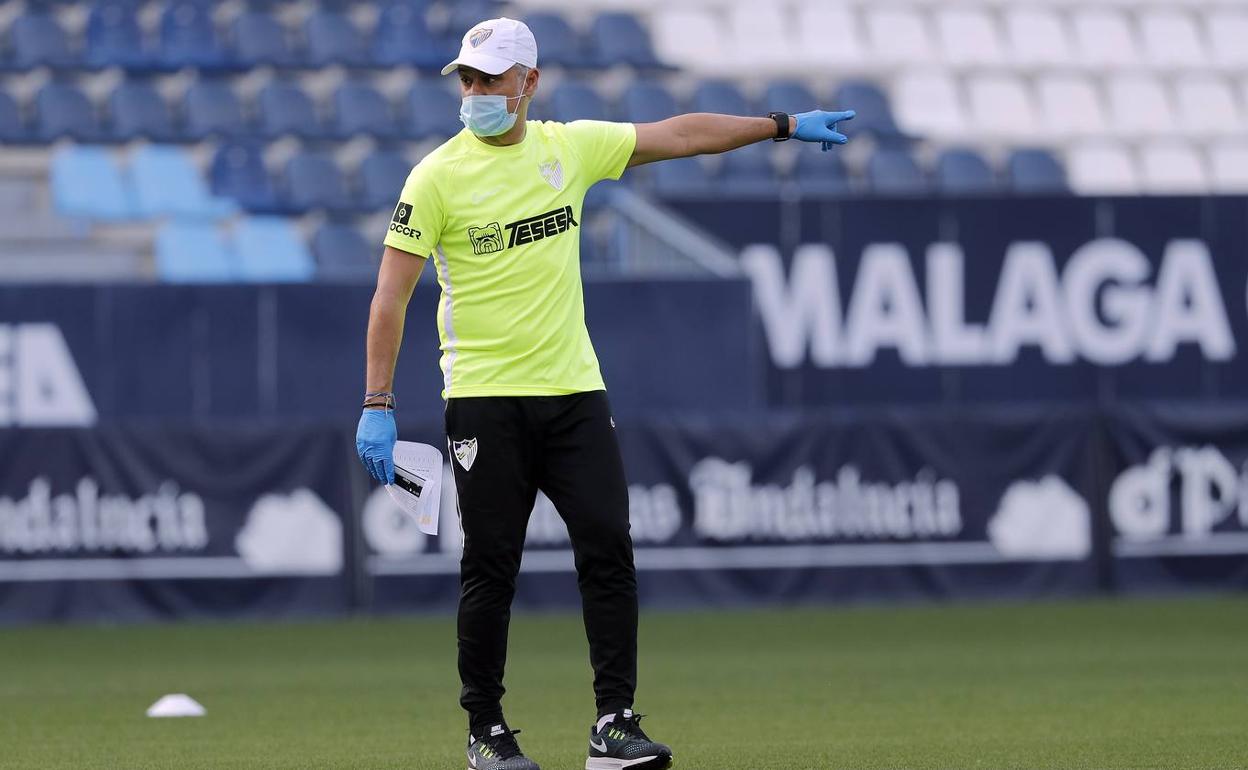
x: 137, y: 110
x: 618, y: 38
x: 893, y: 171
x: 61, y: 110
x: 403, y: 37
x: 575, y: 100
x: 238, y: 173
x: 361, y: 109
x: 257, y: 39
x: 284, y: 109
x: 11, y: 126
x: 646, y: 101
x: 211, y: 108
x: 113, y: 36
x: 188, y: 37
x: 961, y: 171
x: 682, y: 177
x: 342, y: 254
x: 314, y: 181
x: 719, y: 96
x: 874, y: 115
x: 557, y: 42
x: 467, y: 13
x: 87, y: 182
x: 432, y: 111
x: 821, y: 174
x: 167, y: 183
x: 269, y: 249
x: 381, y: 179
x: 788, y: 96
x: 39, y: 41
x: 332, y: 38
x: 1036, y: 172
x: 193, y: 252
x: 747, y: 173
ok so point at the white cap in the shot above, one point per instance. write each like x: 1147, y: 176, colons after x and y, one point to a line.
x: 494, y: 46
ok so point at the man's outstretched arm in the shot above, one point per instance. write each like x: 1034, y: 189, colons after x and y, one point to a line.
x: 704, y: 133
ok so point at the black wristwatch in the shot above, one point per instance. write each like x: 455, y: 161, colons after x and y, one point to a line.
x: 782, y: 125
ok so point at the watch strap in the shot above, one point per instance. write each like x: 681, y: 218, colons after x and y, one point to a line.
x: 782, y: 125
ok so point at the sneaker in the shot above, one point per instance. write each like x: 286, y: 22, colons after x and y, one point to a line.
x: 498, y: 750
x: 617, y: 742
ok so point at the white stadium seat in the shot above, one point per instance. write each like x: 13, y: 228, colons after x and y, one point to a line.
x: 928, y: 104
x: 1170, y: 168
x: 1070, y: 106
x: 691, y: 38
x: 760, y: 36
x: 1171, y: 39
x: 1138, y: 106
x: 1206, y: 107
x: 969, y: 37
x: 1037, y: 37
x: 1228, y: 164
x: 898, y: 36
x: 828, y: 34
x: 1104, y: 38
x: 1102, y: 169
x: 1002, y: 107
x: 1227, y: 32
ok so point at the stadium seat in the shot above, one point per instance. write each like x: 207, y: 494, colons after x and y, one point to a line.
x: 692, y: 38
x: 822, y: 174
x: 1228, y: 164
x: 557, y: 41
x: 113, y: 36
x: 167, y: 183
x: 1036, y: 37
x: 1227, y: 30
x: 137, y: 110
x: 969, y: 38
x: 342, y: 254
x: 1206, y: 107
x: 283, y: 109
x: 791, y: 96
x: 361, y: 109
x: 759, y: 36
x: 892, y: 171
x: 1104, y: 39
x: 1172, y: 168
x: 432, y: 110
x: 928, y: 104
x: 211, y: 108
x: 314, y: 181
x: 1031, y: 171
x: 1171, y: 39
x: 270, y: 249
x: 747, y: 172
x: 11, y: 126
x: 403, y: 37
x: 1002, y: 107
x: 1071, y: 106
x: 381, y: 177
x: 188, y: 37
x: 961, y: 171
x: 39, y: 41
x: 61, y: 110
x: 646, y: 101
x: 618, y: 38
x: 875, y: 115
x: 87, y: 182
x: 682, y: 177
x: 898, y: 35
x: 257, y: 39
x: 721, y: 96
x: 193, y: 252
x: 1138, y: 106
x: 467, y: 13
x: 827, y: 34
x: 238, y: 173
x: 1102, y: 169
x: 576, y: 100
x: 332, y: 38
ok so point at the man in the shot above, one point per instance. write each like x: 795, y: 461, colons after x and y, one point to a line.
x: 498, y: 206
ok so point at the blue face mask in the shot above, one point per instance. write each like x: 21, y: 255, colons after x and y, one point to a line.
x: 487, y: 115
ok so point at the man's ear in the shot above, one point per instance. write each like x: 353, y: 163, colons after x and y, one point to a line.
x: 530, y: 83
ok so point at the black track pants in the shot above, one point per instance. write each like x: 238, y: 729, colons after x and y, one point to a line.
x: 566, y: 447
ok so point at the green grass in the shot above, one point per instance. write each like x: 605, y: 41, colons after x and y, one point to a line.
x: 1156, y: 684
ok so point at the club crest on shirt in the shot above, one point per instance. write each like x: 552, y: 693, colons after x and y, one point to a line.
x: 552, y: 172
x: 465, y: 451
x: 479, y: 36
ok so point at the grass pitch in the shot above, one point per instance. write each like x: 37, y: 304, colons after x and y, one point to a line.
x: 1133, y: 684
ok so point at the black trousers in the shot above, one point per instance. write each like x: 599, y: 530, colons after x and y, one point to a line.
x: 503, y: 450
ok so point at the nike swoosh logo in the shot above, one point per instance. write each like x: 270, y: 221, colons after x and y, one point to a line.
x: 478, y: 197
x: 600, y: 746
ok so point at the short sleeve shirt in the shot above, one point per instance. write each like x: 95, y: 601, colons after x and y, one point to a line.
x: 503, y: 227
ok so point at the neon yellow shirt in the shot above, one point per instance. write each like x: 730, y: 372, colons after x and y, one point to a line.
x: 503, y: 227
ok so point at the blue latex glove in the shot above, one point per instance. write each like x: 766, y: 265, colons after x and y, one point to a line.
x: 374, y: 442
x: 820, y: 126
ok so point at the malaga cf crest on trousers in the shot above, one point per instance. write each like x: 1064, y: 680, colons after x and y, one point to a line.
x: 465, y: 451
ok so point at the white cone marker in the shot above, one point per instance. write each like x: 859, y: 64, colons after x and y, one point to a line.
x: 176, y: 705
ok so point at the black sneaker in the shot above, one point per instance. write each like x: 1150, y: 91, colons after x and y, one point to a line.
x: 497, y: 750
x: 617, y: 742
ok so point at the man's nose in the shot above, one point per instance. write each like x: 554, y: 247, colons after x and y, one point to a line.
x: 476, y: 89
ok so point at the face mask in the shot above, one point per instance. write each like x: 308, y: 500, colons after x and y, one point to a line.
x: 487, y: 115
